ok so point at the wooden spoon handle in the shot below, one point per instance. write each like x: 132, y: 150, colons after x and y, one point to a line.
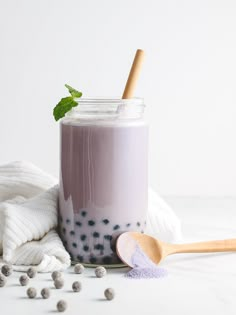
x: 204, y: 247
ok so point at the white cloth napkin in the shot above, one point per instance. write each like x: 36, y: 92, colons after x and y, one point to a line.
x: 162, y: 222
x: 28, y: 219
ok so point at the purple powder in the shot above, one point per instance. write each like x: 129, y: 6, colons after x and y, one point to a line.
x: 144, y: 267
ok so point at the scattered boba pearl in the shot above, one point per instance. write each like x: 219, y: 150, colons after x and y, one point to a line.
x: 6, y: 270
x: 109, y: 294
x: 79, y: 268
x: 61, y: 306
x: 76, y: 286
x: 59, y: 283
x: 3, y: 280
x: 56, y: 274
x: 31, y: 272
x: 45, y: 292
x: 24, y: 280
x: 31, y: 292
x: 100, y: 272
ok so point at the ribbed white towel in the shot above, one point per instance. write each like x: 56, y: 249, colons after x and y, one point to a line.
x: 28, y: 219
x: 162, y: 222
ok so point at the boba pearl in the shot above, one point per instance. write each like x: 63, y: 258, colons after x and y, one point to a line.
x: 6, y: 270
x: 76, y: 286
x: 31, y: 292
x: 31, y: 272
x: 109, y: 294
x: 3, y: 280
x: 59, y: 283
x: 45, y: 292
x: 56, y: 274
x: 79, y: 268
x: 100, y: 272
x: 24, y: 280
x: 61, y: 306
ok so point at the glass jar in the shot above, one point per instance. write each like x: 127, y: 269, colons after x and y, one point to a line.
x: 103, y: 176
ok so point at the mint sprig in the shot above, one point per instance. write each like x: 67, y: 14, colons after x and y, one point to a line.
x: 66, y: 103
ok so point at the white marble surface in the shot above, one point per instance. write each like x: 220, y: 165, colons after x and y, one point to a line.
x: 196, y: 284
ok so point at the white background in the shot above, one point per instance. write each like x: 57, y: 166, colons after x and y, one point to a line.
x: 188, y: 82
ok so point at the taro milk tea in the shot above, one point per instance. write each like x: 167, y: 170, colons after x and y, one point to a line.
x: 103, y: 177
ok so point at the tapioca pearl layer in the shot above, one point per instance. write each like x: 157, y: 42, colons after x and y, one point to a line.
x: 93, y: 241
x: 80, y: 222
x: 103, y: 254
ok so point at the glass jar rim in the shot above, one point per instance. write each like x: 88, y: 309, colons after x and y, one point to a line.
x: 106, y: 108
x: 110, y: 101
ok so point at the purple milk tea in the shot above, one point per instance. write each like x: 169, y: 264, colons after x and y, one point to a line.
x: 103, y: 177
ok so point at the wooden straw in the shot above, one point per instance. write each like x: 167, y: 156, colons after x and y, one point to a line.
x: 134, y: 74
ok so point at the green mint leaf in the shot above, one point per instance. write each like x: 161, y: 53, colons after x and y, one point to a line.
x: 73, y: 92
x: 63, y: 107
x: 66, y: 103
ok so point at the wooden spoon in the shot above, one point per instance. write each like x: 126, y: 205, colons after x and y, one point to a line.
x: 157, y: 250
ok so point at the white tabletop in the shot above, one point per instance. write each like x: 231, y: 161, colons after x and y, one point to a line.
x: 196, y: 284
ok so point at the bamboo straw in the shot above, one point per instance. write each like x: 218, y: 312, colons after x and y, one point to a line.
x: 134, y: 74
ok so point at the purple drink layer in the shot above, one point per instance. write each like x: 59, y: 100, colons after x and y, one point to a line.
x: 103, y: 185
